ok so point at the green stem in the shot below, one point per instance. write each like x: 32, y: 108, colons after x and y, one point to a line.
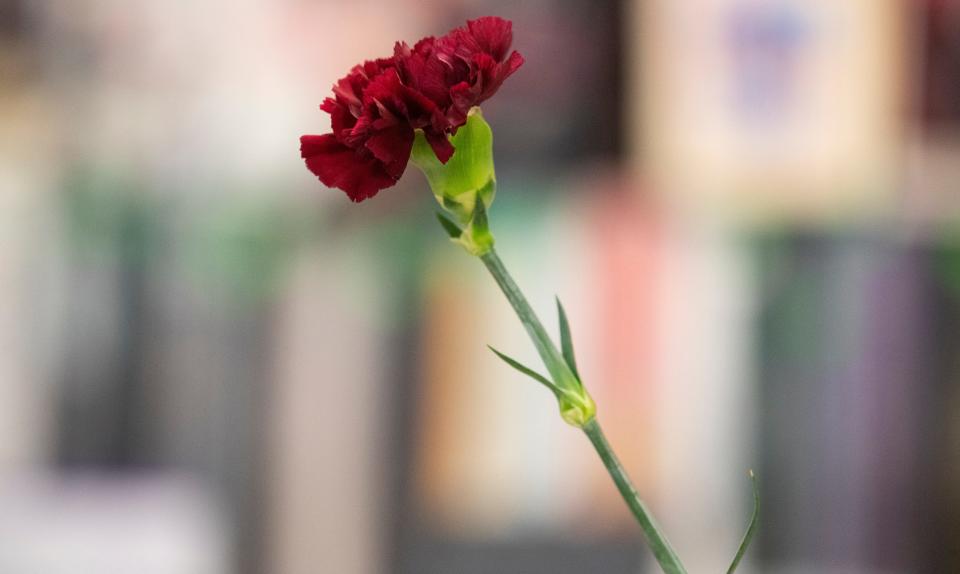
x: 562, y: 374
x: 551, y: 357
x: 662, y: 550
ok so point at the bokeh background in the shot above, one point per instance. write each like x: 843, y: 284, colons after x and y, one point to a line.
x: 211, y: 364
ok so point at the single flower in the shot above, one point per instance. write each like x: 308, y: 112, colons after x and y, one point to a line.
x: 379, y: 106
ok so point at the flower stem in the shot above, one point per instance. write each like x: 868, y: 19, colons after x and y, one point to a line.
x: 658, y: 543
x: 551, y: 357
x: 562, y: 373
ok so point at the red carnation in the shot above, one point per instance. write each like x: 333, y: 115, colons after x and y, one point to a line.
x: 379, y: 104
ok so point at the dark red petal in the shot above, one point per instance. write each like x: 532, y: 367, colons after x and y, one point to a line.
x: 340, y: 166
x: 340, y: 116
x: 419, y: 108
x: 392, y: 147
x: 477, y: 63
x: 424, y: 46
x: 384, y: 85
x: 420, y: 70
x: 384, y: 89
x: 440, y: 143
x: 486, y: 72
x: 349, y: 89
x: 464, y: 96
x: 492, y: 35
x: 391, y: 102
x: 512, y: 64
x: 373, y: 68
x: 314, y: 145
x: 349, y: 92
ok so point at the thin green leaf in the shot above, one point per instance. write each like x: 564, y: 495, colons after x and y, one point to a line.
x: 748, y: 536
x: 566, y: 342
x: 452, y: 229
x: 525, y: 370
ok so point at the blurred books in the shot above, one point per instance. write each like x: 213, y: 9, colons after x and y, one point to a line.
x: 748, y: 207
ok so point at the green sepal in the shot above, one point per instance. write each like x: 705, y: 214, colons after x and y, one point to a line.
x: 751, y: 529
x: 566, y: 341
x: 476, y: 238
x: 576, y: 407
x: 464, y: 186
x: 468, y: 175
x: 526, y: 370
x: 452, y: 229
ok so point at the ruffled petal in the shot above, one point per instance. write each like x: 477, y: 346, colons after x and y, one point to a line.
x: 492, y: 35
x: 342, y: 167
x: 421, y: 70
x: 395, y: 101
x: 392, y: 147
x: 340, y: 117
x: 512, y: 64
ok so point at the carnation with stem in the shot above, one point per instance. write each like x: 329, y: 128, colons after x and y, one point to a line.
x: 421, y: 105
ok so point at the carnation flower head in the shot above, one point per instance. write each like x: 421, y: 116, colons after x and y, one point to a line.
x: 379, y: 105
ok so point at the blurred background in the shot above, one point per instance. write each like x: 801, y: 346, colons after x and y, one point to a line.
x: 211, y: 364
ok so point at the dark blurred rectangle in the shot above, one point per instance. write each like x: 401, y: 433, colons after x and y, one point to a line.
x: 940, y: 73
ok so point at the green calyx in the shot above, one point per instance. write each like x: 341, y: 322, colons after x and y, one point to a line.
x: 466, y: 185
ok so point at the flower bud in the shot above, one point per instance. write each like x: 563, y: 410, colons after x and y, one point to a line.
x: 576, y: 406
